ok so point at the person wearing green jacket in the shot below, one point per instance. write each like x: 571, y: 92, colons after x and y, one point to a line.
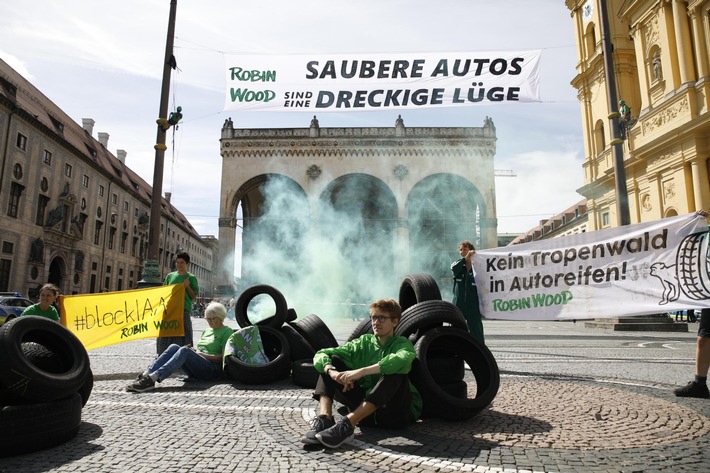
x: 369, y: 375
x: 181, y: 276
x: 465, y: 292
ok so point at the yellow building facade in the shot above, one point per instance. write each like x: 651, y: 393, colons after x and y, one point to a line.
x: 661, y: 66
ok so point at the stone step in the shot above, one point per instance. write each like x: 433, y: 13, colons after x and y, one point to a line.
x: 639, y: 324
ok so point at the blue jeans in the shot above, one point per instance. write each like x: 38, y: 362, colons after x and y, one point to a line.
x: 194, y: 365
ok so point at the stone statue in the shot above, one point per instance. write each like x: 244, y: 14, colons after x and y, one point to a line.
x: 314, y: 122
x: 657, y: 67
x: 399, y: 122
x: 55, y: 216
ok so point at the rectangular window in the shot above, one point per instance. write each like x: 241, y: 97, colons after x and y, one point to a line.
x: 47, y: 158
x: 114, y: 199
x: 5, y: 265
x: 85, y: 181
x: 7, y: 247
x: 42, y: 203
x: 94, y: 265
x: 21, y: 141
x: 124, y: 238
x: 92, y: 284
x: 111, y: 237
x: 135, y: 245
x: 101, y: 190
x: 605, y: 219
x: 13, y: 205
x: 67, y: 170
x: 125, y: 206
x: 97, y: 233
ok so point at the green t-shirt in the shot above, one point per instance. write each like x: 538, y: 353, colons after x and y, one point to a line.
x: 394, y: 357
x: 213, y: 341
x: 50, y: 313
x: 175, y: 278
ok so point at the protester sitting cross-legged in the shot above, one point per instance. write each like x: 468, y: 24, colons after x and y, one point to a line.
x: 369, y: 375
x: 203, y: 363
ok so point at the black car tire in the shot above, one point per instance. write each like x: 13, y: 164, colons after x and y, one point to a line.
x: 427, y: 315
x: 478, y: 357
x: 304, y: 374
x: 313, y: 329
x: 418, y: 287
x: 241, y: 307
x: 279, y: 365
x: 20, y: 376
x: 300, y: 348
x: 365, y: 326
x: 27, y: 428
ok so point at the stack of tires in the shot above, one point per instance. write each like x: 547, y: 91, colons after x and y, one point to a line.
x: 45, y: 381
x: 289, y: 344
x: 442, y: 344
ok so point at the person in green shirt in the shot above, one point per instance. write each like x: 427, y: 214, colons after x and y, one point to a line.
x: 203, y: 363
x: 181, y: 276
x: 47, y: 295
x: 369, y: 375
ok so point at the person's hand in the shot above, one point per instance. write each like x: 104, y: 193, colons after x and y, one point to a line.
x: 186, y: 283
x: 470, y: 254
x: 702, y: 213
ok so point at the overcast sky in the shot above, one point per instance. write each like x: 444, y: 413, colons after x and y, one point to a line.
x: 103, y: 60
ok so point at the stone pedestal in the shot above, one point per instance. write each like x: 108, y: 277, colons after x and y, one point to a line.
x: 644, y: 323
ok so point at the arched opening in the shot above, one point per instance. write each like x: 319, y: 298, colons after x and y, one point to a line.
x: 599, y: 138
x: 56, y: 272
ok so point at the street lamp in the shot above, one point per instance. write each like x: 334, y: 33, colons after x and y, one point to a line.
x: 151, y: 268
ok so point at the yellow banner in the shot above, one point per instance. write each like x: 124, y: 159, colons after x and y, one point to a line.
x: 109, y: 318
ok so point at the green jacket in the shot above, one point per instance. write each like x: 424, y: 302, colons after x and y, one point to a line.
x: 395, y: 357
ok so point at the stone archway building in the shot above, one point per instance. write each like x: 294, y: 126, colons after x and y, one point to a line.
x: 408, y: 191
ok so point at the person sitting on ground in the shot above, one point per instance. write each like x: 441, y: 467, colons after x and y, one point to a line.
x: 369, y: 375
x: 47, y: 294
x: 203, y: 363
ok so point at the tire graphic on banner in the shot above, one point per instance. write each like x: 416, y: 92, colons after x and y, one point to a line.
x: 693, y: 266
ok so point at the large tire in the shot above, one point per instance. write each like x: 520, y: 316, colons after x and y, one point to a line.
x: 479, y: 358
x: 418, y: 287
x: 299, y: 347
x: 279, y: 366
x: 693, y: 266
x: 20, y: 376
x: 427, y: 315
x: 304, y: 374
x: 365, y: 326
x: 30, y: 427
x: 445, y: 368
x: 46, y: 360
x: 241, y: 307
x: 313, y: 329
x: 458, y: 390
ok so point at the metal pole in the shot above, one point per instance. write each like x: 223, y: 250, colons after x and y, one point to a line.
x: 617, y: 144
x: 151, y: 269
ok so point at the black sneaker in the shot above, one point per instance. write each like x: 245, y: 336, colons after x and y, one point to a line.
x: 317, y: 424
x: 142, y: 385
x: 338, y: 434
x: 693, y: 389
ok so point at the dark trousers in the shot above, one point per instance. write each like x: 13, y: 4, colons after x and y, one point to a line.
x: 390, y: 395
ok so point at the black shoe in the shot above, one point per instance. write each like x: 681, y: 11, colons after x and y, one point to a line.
x: 141, y: 385
x: 338, y: 434
x: 693, y: 389
x: 318, y: 424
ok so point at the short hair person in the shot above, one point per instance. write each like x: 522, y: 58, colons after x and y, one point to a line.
x: 45, y: 308
x: 201, y: 363
x: 369, y: 375
x: 465, y: 291
x: 181, y: 276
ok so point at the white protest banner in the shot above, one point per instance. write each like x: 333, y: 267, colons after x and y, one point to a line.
x: 379, y: 81
x: 647, y: 268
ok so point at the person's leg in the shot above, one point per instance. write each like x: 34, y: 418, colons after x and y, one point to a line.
x: 187, y: 322
x: 698, y: 387
x: 198, y: 367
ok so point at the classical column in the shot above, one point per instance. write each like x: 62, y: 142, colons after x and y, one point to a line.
x: 701, y: 43
x: 225, y: 271
x: 701, y: 193
x: 683, y: 45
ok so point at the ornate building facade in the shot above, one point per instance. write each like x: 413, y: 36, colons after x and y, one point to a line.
x: 662, y: 71
x: 72, y: 213
x: 408, y: 195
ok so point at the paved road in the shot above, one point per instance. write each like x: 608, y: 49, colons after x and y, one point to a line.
x: 571, y: 400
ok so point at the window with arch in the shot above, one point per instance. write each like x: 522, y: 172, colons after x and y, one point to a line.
x: 590, y: 40
x: 599, y: 138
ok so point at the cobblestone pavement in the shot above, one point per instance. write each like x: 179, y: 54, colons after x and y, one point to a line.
x: 539, y: 421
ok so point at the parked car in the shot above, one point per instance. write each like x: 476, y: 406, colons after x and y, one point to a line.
x: 12, y: 306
